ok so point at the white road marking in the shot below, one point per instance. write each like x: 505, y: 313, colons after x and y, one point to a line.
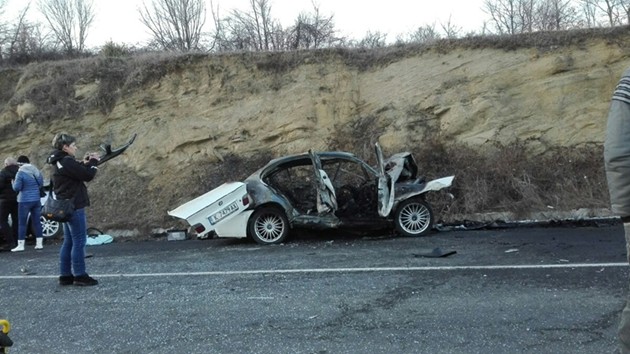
x: 337, y: 270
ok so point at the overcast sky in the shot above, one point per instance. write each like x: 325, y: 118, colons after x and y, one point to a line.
x: 118, y: 20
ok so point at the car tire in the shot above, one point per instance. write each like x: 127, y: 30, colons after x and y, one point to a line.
x: 268, y: 226
x: 50, y: 228
x: 413, y: 217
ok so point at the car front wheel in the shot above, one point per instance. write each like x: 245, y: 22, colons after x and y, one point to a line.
x: 413, y: 217
x: 268, y: 226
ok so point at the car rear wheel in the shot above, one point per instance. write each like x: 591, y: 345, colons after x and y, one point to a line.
x: 50, y: 228
x: 268, y: 225
x: 413, y: 217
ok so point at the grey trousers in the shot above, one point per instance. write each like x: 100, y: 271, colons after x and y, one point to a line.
x: 624, y: 324
x: 624, y: 329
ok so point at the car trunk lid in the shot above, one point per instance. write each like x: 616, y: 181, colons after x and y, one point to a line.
x: 215, y: 206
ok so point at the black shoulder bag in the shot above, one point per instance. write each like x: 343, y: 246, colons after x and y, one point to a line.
x: 58, y: 209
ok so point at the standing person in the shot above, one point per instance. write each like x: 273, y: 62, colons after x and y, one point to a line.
x: 26, y: 183
x: 68, y: 179
x: 8, y: 202
x: 617, y: 162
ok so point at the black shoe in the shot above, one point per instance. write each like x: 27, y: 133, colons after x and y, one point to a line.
x: 85, y: 280
x: 66, y: 280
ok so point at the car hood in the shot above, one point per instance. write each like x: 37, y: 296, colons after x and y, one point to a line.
x: 401, y: 166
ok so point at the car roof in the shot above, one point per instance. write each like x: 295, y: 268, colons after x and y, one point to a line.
x: 322, y: 155
x: 326, y: 155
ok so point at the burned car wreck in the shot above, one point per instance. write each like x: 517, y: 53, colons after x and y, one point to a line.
x: 317, y: 190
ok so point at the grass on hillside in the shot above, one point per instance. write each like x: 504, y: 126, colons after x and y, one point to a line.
x: 116, y: 72
x: 508, y: 178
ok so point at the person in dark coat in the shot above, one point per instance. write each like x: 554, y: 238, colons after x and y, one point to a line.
x: 8, y: 203
x: 68, y: 179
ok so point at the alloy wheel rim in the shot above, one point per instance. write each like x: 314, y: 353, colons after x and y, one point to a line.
x: 269, y: 227
x: 49, y: 228
x: 414, y: 218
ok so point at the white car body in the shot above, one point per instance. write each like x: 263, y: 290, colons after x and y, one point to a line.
x: 221, y: 210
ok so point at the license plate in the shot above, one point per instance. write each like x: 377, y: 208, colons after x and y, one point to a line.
x: 221, y: 214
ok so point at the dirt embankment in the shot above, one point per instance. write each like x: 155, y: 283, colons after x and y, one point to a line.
x: 205, y: 119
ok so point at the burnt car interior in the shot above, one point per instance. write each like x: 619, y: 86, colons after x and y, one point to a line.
x: 355, y: 187
x: 296, y: 182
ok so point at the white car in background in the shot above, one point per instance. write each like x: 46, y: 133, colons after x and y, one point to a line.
x: 50, y: 228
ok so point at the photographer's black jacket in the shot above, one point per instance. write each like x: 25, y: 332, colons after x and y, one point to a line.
x: 69, y: 176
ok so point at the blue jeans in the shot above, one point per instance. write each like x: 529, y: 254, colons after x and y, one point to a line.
x: 72, y: 253
x: 33, y: 208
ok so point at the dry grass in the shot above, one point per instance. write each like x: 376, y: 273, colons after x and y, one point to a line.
x: 499, y: 178
x: 508, y: 178
x: 53, y: 91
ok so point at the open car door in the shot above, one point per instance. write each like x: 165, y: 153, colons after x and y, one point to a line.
x: 385, y: 185
x: 326, y: 198
x: 109, y: 153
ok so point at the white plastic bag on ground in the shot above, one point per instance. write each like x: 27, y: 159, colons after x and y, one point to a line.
x: 96, y: 240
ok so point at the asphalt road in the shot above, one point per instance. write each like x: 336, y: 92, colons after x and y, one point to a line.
x: 528, y: 290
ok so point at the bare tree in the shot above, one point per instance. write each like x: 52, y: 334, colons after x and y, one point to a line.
x: 519, y: 16
x: 175, y: 24
x: 450, y: 29
x: 617, y: 11
x: 261, y: 16
x: 257, y: 25
x: 247, y: 30
x: 257, y: 30
x: 590, y: 13
x: 2, y: 29
x: 29, y: 44
x: 611, y: 10
x: 313, y: 30
x: 22, y: 41
x: 503, y: 15
x: 556, y: 15
x: 526, y: 15
x: 424, y: 34
x: 19, y: 41
x: 625, y: 6
x: 218, y: 36
x: 512, y: 16
x: 371, y: 40
x: 69, y: 21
